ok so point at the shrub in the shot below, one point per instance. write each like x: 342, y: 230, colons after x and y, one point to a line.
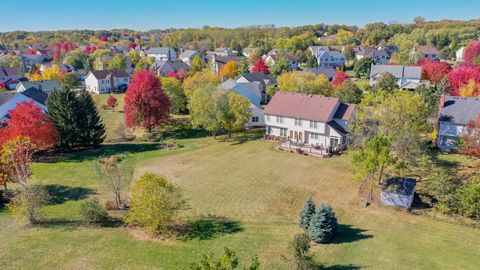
x: 228, y: 261
x: 154, y: 203
x: 27, y: 203
x: 323, y: 224
x: 468, y: 198
x: 93, y: 212
x: 306, y: 214
x: 300, y: 247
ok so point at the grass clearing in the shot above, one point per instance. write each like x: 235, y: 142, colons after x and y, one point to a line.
x: 247, y: 184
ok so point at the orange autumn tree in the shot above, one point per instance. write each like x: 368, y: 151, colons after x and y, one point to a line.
x: 229, y: 70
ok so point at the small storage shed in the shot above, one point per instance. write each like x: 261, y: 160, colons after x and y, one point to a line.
x: 398, y: 192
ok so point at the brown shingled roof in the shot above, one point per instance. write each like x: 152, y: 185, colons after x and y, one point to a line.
x: 102, y: 74
x: 304, y: 106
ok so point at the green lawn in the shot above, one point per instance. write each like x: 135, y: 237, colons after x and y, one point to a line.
x: 241, y: 194
x: 257, y: 193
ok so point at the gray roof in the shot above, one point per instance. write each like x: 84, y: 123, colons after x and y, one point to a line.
x: 370, y: 52
x: 188, y: 53
x: 315, y: 49
x: 459, y: 110
x: 399, y: 185
x: 397, y: 71
x: 171, y: 65
x: 102, y: 74
x: 37, y: 95
x: 4, y: 97
x: 259, y: 77
x: 328, y: 72
x: 41, y: 85
x: 159, y: 50
x: 7, y: 71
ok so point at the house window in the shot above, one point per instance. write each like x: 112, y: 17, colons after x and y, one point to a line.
x: 298, y: 122
x: 268, y: 118
x: 255, y: 119
x: 313, y: 124
x: 279, y: 119
x: 283, y: 132
x: 314, y: 136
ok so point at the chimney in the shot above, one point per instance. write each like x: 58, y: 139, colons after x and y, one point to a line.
x: 441, y: 102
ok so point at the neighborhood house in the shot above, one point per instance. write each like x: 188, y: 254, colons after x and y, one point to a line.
x: 106, y: 81
x: 309, y: 119
x: 162, y: 53
x: 408, y: 77
x: 454, y: 115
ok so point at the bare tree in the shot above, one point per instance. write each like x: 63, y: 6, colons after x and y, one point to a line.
x: 116, y: 171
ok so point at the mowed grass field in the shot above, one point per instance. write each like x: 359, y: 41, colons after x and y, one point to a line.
x: 251, y: 194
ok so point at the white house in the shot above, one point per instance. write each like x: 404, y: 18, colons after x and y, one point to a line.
x: 271, y: 58
x: 459, y: 54
x: 427, y: 52
x: 454, y: 115
x: 45, y: 86
x: 308, y: 119
x: 263, y: 81
x: 106, y: 81
x: 162, y: 53
x: 379, y: 56
x: 408, y: 77
x: 9, y: 101
x: 188, y: 55
x: 331, y: 59
x: 252, y: 92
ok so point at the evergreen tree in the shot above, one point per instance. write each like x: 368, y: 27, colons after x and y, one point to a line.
x: 76, y: 118
x: 92, y: 130
x: 306, y: 214
x: 323, y: 224
x: 62, y: 110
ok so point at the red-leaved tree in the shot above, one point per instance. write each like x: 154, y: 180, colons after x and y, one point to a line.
x: 27, y: 120
x: 112, y: 102
x: 434, y: 71
x: 471, y: 138
x: 340, y: 77
x: 461, y: 76
x: 472, y: 53
x: 261, y: 66
x: 146, y: 104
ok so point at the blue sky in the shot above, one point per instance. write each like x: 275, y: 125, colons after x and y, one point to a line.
x: 150, y: 14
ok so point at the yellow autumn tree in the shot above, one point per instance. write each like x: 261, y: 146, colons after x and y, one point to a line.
x: 49, y: 73
x: 472, y: 89
x: 229, y: 70
x: 305, y: 82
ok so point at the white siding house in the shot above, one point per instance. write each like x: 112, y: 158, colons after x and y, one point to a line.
x: 407, y: 77
x: 162, y: 53
x: 308, y: 119
x: 106, y: 81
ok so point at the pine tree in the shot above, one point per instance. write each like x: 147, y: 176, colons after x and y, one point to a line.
x: 323, y: 224
x: 92, y: 130
x: 306, y: 214
x: 62, y: 110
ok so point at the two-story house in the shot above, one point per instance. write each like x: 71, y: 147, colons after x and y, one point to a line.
x: 272, y: 56
x: 407, y: 77
x: 427, y: 52
x: 162, y: 53
x: 106, y: 81
x: 379, y: 56
x: 252, y: 92
x: 261, y: 80
x: 309, y: 119
x: 330, y: 59
x: 453, y: 116
x: 187, y: 56
x: 164, y: 68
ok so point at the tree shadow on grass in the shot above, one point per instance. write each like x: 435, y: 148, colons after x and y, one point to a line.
x: 349, y: 234
x: 61, y: 194
x: 82, y: 154
x: 73, y: 224
x: 243, y: 137
x: 182, y: 129
x: 342, y: 267
x: 205, y: 228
